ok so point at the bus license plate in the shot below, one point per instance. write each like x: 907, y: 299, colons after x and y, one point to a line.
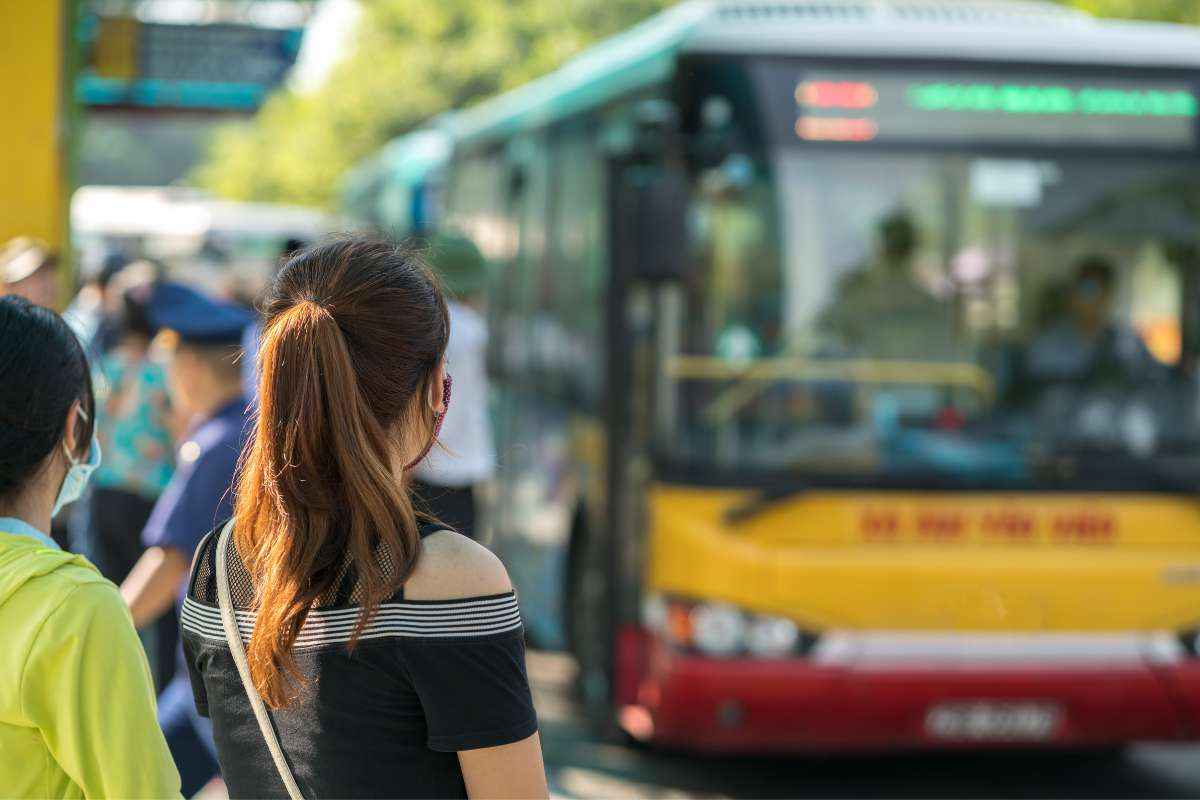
x: 992, y: 721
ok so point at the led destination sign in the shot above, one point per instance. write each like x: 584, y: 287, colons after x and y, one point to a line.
x: 1010, y: 98
x: 889, y: 106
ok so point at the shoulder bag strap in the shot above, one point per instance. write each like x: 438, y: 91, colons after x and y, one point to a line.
x: 234, y: 638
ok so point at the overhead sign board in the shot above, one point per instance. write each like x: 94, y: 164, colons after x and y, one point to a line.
x: 218, y: 66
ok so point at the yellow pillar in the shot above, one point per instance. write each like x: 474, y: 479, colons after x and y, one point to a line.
x: 33, y: 135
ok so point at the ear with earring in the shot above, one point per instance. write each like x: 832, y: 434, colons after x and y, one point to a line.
x: 439, y: 416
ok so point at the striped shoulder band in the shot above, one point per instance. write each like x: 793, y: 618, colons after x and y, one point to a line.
x: 469, y: 617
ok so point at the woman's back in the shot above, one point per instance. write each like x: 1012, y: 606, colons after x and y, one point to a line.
x: 427, y: 679
x: 68, y: 658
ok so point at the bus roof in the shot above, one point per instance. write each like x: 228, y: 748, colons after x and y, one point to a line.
x: 978, y: 30
x: 406, y: 160
x: 414, y: 155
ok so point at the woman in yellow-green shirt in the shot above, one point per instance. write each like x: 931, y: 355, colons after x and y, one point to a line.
x: 76, y: 701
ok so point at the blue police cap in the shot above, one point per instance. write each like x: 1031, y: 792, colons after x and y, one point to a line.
x: 196, y: 317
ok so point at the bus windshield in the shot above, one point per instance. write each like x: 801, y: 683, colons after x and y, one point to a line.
x: 901, y: 317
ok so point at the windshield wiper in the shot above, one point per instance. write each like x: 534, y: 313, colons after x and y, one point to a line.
x: 775, y: 493
x: 762, y: 501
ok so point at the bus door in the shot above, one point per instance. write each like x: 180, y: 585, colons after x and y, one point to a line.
x: 647, y: 244
x: 525, y: 415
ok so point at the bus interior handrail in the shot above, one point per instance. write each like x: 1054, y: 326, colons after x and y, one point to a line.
x: 753, y: 375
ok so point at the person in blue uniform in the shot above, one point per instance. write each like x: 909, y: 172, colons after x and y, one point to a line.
x: 203, y: 339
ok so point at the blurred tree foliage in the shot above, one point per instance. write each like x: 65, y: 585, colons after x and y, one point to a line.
x: 1160, y: 10
x: 412, y: 60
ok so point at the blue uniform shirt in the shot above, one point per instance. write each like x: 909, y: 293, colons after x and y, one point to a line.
x: 200, y: 493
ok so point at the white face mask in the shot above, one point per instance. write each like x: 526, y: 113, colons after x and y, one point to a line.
x: 78, y: 474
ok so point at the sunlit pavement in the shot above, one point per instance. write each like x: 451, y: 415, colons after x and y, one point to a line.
x: 582, y: 767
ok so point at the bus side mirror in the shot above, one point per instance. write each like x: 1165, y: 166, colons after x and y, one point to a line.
x: 650, y: 206
x: 659, y: 225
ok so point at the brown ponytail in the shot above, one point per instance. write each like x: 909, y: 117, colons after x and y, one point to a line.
x: 354, y: 332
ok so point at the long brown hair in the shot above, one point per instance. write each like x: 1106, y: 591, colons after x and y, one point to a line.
x: 355, y: 330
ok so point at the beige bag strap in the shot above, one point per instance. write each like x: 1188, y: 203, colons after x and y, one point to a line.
x: 234, y: 638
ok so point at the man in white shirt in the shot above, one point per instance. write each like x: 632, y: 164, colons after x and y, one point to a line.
x: 446, y: 480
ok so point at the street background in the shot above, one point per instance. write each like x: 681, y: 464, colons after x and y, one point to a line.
x: 207, y: 137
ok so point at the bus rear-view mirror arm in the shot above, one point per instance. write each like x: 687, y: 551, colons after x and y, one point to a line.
x: 659, y: 195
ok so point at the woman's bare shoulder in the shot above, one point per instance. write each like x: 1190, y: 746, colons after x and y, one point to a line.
x: 452, y: 567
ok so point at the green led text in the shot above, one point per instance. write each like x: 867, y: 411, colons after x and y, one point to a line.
x: 1025, y: 99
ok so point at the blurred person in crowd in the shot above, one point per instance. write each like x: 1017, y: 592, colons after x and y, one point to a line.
x: 1090, y: 345
x: 134, y: 427
x: 203, y: 337
x: 76, y: 698
x: 326, y: 551
x: 29, y: 269
x: 446, y: 480
x: 254, y: 331
x: 90, y: 312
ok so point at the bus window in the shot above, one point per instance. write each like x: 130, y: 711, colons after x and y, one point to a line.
x: 968, y: 319
x: 732, y: 223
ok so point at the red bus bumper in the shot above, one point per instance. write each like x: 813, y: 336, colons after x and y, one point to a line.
x: 746, y: 705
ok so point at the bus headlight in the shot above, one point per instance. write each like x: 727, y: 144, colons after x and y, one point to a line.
x: 718, y: 629
x: 772, y: 637
x: 721, y: 630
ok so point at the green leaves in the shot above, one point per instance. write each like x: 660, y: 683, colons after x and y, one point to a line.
x: 1159, y: 10
x: 410, y: 62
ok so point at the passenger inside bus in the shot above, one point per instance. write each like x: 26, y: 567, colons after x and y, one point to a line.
x: 927, y: 328
x: 1090, y: 346
x: 881, y: 309
x: 733, y: 235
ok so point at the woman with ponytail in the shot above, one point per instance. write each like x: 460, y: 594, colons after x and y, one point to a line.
x: 386, y: 650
